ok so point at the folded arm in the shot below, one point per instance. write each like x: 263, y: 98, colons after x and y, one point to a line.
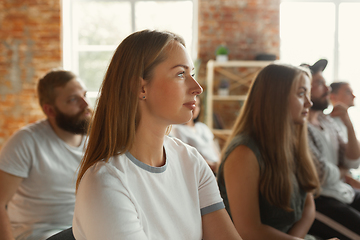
x: 301, y: 227
x: 352, y: 151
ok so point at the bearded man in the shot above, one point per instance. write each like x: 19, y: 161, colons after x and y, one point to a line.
x: 333, y: 156
x: 38, y: 164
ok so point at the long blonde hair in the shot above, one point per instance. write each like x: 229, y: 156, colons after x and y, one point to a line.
x: 113, y: 127
x: 265, y: 117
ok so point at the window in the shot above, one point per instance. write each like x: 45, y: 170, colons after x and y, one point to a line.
x: 310, y: 30
x: 92, y: 29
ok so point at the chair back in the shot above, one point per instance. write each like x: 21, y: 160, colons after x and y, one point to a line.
x: 336, y: 226
x: 66, y: 234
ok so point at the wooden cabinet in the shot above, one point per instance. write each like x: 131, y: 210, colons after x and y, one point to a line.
x: 222, y: 110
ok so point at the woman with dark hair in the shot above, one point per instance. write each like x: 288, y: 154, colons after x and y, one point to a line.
x: 267, y: 177
x: 134, y: 181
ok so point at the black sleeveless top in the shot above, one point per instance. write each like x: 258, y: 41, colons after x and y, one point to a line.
x: 270, y: 215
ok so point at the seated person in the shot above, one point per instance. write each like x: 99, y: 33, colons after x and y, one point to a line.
x: 333, y: 157
x: 38, y: 164
x: 198, y: 135
x: 267, y: 177
x: 134, y: 181
x: 341, y: 93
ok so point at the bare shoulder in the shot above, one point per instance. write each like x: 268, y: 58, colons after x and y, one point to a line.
x: 242, y: 158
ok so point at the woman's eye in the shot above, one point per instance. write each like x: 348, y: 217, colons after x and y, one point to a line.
x: 181, y: 74
x: 193, y: 75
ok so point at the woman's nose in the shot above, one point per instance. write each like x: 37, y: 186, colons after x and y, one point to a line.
x: 196, y: 89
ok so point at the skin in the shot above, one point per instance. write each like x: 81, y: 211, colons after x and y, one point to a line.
x: 70, y: 99
x: 300, y: 100
x: 213, y: 165
x: 242, y: 175
x: 344, y: 95
x: 170, y: 98
x: 319, y: 90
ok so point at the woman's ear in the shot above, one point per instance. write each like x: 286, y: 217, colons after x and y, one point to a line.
x: 142, y: 92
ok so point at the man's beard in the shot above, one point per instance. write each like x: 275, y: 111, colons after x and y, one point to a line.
x: 319, y: 104
x: 72, y: 123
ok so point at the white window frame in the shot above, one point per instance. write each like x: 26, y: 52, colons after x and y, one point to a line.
x: 336, y: 34
x: 69, y: 38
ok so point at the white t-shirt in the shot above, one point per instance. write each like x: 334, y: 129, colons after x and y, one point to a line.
x: 328, y: 147
x: 45, y: 198
x: 332, y: 185
x: 200, y: 137
x: 127, y: 199
x: 342, y: 128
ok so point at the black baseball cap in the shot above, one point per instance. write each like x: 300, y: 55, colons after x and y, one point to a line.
x: 318, y: 66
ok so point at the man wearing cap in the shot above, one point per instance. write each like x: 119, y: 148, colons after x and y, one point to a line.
x: 333, y: 157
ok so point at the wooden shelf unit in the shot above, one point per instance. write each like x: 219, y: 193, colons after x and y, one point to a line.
x: 236, y: 81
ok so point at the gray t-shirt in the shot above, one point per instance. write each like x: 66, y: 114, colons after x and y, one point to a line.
x: 45, y: 198
x: 270, y: 215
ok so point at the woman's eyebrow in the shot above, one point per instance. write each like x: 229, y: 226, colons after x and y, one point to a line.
x: 182, y: 65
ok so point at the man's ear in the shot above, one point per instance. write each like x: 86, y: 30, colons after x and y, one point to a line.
x: 48, y: 110
x: 142, y: 92
x: 332, y: 97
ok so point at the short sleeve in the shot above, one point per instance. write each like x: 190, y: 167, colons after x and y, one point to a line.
x: 15, y: 156
x: 101, y: 196
x: 209, y: 194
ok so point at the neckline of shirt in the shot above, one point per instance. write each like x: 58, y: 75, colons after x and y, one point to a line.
x: 145, y: 166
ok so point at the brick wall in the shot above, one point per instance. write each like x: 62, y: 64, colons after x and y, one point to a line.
x: 30, y: 45
x: 246, y: 27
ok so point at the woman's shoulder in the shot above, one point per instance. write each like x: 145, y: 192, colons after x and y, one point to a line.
x: 243, y: 139
x: 103, y: 170
x: 112, y: 174
x: 245, y: 144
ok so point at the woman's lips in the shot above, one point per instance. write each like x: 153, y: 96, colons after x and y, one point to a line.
x: 191, y: 105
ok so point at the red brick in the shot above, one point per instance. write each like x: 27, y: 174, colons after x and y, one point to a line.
x: 22, y: 21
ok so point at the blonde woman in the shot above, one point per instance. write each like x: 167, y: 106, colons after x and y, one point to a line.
x: 134, y: 181
x: 267, y: 176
